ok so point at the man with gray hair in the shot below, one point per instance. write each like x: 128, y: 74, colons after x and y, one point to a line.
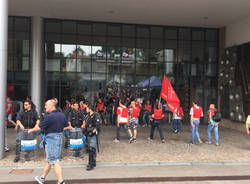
x: 52, y: 125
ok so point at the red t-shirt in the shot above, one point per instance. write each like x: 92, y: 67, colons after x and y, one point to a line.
x: 135, y: 112
x: 212, y: 112
x: 100, y: 106
x: 123, y: 112
x: 197, y: 112
x: 10, y: 106
x: 148, y: 108
x: 157, y: 113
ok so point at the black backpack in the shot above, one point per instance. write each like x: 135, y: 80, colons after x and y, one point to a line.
x: 217, y: 116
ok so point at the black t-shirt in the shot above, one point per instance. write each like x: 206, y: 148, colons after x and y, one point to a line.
x: 54, y: 122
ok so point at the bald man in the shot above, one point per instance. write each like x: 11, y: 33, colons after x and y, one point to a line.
x: 52, y: 125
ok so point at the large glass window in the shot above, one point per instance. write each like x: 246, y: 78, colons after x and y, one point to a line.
x: 85, y: 57
x: 18, y: 65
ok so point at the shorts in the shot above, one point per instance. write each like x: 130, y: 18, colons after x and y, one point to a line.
x: 9, y: 117
x: 133, y: 123
x: 53, y: 147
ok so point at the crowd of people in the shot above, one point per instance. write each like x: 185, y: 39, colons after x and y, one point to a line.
x: 124, y: 110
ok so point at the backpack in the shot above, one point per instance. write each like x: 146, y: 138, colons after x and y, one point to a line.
x: 179, y: 112
x: 217, y: 116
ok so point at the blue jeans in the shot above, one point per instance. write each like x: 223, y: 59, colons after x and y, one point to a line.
x: 216, y: 133
x: 177, y: 125
x: 195, y: 130
x: 146, y: 118
x: 53, y: 147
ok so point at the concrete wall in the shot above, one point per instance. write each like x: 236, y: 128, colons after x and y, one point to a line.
x: 238, y: 33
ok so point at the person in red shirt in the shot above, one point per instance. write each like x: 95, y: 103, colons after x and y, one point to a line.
x: 157, y: 116
x: 122, y: 120
x: 101, y: 109
x: 9, y: 112
x: 134, y: 113
x: 196, y: 113
x: 212, y: 125
x: 146, y: 113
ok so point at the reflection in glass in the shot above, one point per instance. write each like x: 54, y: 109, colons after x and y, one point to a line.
x: 128, y: 54
x: 68, y: 50
x: 52, y: 65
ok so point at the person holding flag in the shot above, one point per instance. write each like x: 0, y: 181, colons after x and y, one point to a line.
x: 157, y: 116
x: 196, y: 113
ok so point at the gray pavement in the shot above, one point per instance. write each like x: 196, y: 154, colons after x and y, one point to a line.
x: 133, y: 174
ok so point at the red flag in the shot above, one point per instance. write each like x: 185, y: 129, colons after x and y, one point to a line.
x: 168, y: 94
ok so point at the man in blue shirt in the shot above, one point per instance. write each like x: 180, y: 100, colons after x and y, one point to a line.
x: 52, y: 125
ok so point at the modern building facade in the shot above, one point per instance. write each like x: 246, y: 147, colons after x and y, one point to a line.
x: 63, y: 49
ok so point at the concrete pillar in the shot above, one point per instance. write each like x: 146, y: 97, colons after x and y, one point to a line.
x: 3, y: 68
x: 37, y: 62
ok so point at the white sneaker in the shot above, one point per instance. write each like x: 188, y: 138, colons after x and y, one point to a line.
x: 39, y: 179
x: 116, y: 140
x: 6, y: 149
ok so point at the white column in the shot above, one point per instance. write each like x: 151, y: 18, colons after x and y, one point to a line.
x: 3, y: 68
x: 37, y: 62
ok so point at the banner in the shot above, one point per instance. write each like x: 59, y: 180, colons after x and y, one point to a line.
x: 169, y: 95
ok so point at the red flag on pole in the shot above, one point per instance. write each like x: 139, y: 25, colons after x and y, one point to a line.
x: 169, y: 95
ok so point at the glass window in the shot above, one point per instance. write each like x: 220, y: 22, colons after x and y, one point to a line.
x: 68, y: 50
x: 84, y: 40
x: 127, y: 67
x: 114, y: 41
x: 128, y: 30
x: 22, y: 24
x: 84, y: 29
x: 114, y: 54
x: 99, y: 52
x: 10, y: 24
x: 196, y: 69
x: 198, y: 52
x: 142, y: 68
x: 169, y: 55
x: 142, y: 32
x: 68, y: 39
x: 98, y: 65
x: 83, y: 83
x: 142, y: 43
x: 157, y: 32
x: 22, y: 35
x: 211, y: 35
x: 53, y: 27
x: 52, y: 65
x: 53, y: 50
x: 184, y: 52
x: 210, y: 70
x: 98, y: 40
x: 51, y: 37
x: 113, y: 68
x: 68, y: 65
x: 184, y: 34
x: 114, y: 30
x: 156, y: 43
x: 156, y: 55
x: 142, y: 55
x: 127, y: 80
x: 211, y: 52
x: 171, y: 44
x: 98, y: 81
x: 128, y: 42
x: 171, y: 34
x: 99, y: 29
x: 69, y: 27
x: 128, y: 54
x: 198, y: 35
